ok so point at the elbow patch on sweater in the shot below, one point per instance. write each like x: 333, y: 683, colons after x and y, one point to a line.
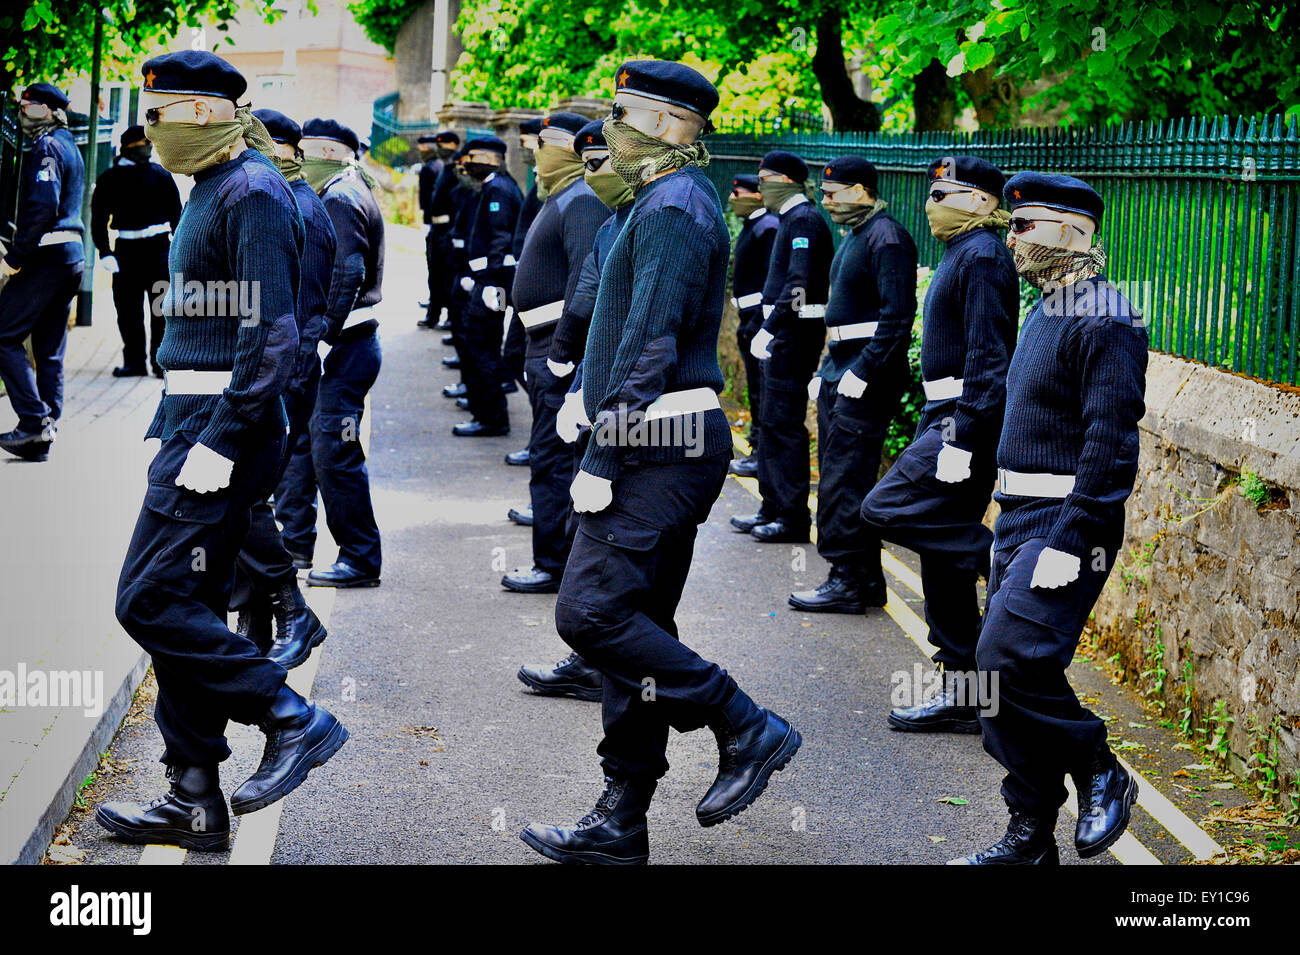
x: 274, y: 371
x: 646, y: 381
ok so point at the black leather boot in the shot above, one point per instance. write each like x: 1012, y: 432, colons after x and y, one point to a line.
x: 455, y: 391
x: 28, y: 444
x: 297, y: 628
x: 845, y: 591
x: 531, y: 580
x: 747, y: 522
x: 613, y: 833
x: 1106, y: 796
x: 939, y: 714
x: 299, y: 737
x: 257, y: 624
x: 1028, y: 841
x: 523, y: 516
x: 781, y: 531
x: 753, y: 743
x: 744, y: 467
x: 572, y: 676
x: 192, y: 814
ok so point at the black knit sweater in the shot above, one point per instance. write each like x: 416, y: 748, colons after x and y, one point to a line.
x: 234, y: 266
x: 1075, y: 393
x: 873, y: 279
x: 655, y: 327
x: 570, y: 339
x: 971, y: 311
x: 550, y: 262
x: 318, y: 259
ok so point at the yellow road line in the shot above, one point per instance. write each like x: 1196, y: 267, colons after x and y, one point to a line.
x: 162, y: 855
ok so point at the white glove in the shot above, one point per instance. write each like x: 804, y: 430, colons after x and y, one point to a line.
x: 204, y: 470
x: 851, y: 386
x: 558, y: 370
x: 109, y: 262
x: 1055, y: 569
x: 759, y: 346
x: 570, y: 417
x: 323, y: 348
x: 6, y: 268
x: 591, y: 493
x: 494, y: 297
x: 467, y: 284
x: 814, y: 388
x: 953, y: 466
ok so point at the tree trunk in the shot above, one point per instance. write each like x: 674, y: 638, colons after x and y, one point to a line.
x: 934, y: 98
x: 848, y: 110
x: 997, y: 100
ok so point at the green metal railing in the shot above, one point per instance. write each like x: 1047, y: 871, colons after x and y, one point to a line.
x: 393, y: 143
x: 1202, y: 224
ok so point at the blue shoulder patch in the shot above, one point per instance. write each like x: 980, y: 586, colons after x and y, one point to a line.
x: 494, y: 207
x: 800, y: 243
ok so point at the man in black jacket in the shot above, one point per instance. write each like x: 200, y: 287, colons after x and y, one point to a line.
x: 41, y: 272
x: 790, y: 342
x: 861, y: 382
x: 514, y: 350
x: 748, y: 276
x: 352, y: 362
x: 139, y: 199
x: 933, y: 499
x: 550, y: 264
x: 491, y: 266
x: 436, y: 179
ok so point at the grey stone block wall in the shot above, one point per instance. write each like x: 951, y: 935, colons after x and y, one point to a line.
x: 1205, y: 572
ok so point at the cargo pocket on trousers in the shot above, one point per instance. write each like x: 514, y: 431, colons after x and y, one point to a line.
x: 1055, y: 619
x: 180, y: 543
x: 627, y: 563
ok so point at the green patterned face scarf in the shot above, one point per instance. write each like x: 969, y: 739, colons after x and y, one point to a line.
x: 745, y: 206
x: 776, y: 194
x: 948, y: 222
x: 852, y: 214
x: 557, y: 167
x: 291, y: 169
x: 1044, y: 266
x: 609, y: 187
x: 187, y: 148
x: 140, y: 154
x: 318, y: 172
x: 636, y: 157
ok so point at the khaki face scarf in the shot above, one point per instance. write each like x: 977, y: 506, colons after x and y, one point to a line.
x: 1044, y: 266
x: 636, y: 157
x: 948, y: 222
x: 776, y: 194
x: 318, y: 172
x: 609, y: 187
x: 187, y: 148
x: 852, y: 214
x: 291, y: 169
x: 745, y: 206
x: 557, y: 167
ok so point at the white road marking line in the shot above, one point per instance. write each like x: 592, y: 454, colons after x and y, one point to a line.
x: 1183, y: 828
x: 162, y: 855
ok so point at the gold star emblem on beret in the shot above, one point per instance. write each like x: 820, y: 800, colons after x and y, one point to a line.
x: 1015, y: 193
x: 623, y: 78
x: 149, y: 78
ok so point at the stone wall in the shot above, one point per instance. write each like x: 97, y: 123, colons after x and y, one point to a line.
x: 1206, y: 571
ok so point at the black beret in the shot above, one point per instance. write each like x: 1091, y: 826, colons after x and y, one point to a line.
x: 531, y: 127
x: 46, y: 93
x: 788, y: 164
x: 1054, y: 191
x: 969, y: 171
x: 330, y: 129
x: 850, y: 169
x: 490, y: 143
x: 745, y: 181
x: 668, y: 82
x: 196, y: 72
x: 591, y: 136
x: 428, y: 138
x: 448, y: 136
x: 132, y: 134
x: 569, y: 122
x: 281, y: 127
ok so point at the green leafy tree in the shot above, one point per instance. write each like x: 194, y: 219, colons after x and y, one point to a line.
x: 53, y: 40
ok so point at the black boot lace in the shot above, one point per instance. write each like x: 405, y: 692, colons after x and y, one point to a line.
x: 605, y: 805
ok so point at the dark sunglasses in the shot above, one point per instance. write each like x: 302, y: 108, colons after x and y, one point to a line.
x: 594, y: 163
x: 938, y: 195
x: 151, y: 116
x: 1020, y: 224
x: 617, y: 111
